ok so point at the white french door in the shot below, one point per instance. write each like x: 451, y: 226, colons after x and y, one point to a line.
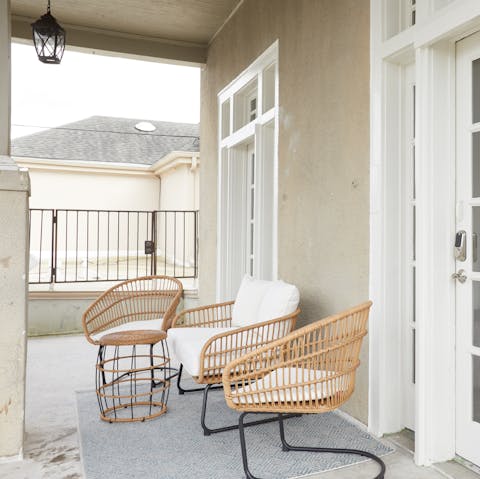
x: 467, y: 273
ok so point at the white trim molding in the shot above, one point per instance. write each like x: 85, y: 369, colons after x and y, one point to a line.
x: 174, y: 159
x: 168, y: 162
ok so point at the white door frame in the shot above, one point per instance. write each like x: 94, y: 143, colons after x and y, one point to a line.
x: 431, y: 45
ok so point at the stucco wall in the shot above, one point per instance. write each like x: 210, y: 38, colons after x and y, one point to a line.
x: 90, y: 190
x: 323, y: 149
x: 179, y: 188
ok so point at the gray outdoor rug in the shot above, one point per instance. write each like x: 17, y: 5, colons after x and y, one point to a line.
x: 173, y: 446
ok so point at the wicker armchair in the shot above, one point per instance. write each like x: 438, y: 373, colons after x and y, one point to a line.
x: 207, y: 338
x: 149, y: 302
x: 133, y: 315
x: 312, y: 370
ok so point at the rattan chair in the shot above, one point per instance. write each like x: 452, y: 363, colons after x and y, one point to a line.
x: 132, y: 315
x: 206, y: 339
x: 149, y: 302
x: 310, y: 371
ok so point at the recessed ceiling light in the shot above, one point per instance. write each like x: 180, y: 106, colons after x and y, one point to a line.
x: 145, y: 126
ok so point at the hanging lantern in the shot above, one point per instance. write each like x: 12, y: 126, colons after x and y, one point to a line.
x: 48, y: 38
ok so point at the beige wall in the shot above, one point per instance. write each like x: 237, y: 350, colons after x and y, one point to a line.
x: 93, y: 190
x: 179, y: 189
x: 323, y: 149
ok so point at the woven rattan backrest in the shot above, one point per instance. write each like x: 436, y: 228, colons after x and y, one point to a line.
x: 139, y: 299
x: 312, y: 368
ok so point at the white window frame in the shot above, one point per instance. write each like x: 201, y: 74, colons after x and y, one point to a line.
x: 408, y: 247
x: 252, y: 131
x: 431, y: 44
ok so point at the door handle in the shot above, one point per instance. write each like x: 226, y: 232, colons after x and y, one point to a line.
x: 460, y: 276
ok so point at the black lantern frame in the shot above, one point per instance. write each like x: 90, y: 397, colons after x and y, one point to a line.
x: 48, y: 38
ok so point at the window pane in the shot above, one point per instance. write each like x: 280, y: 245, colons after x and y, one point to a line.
x: 414, y: 234
x: 475, y: 236
x: 414, y: 293
x: 476, y: 314
x: 414, y: 358
x: 476, y: 388
x: 476, y: 164
x: 476, y: 91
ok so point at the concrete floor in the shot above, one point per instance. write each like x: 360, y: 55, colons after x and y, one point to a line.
x: 60, y: 365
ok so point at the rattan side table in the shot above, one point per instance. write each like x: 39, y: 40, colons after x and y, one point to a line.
x: 132, y: 382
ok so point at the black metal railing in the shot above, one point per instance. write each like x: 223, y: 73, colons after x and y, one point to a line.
x: 104, y: 245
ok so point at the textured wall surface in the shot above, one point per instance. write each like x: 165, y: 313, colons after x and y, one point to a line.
x: 323, y: 175
x: 14, y: 185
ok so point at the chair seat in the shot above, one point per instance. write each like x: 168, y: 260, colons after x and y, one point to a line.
x: 151, y: 324
x: 289, y: 385
x: 187, y: 344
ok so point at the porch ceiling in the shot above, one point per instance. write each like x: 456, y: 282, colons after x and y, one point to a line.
x: 188, y: 23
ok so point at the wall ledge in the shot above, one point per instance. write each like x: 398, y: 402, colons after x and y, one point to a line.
x: 13, y: 178
x: 51, y: 295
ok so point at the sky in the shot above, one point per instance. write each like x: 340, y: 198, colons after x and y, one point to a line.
x: 86, y: 84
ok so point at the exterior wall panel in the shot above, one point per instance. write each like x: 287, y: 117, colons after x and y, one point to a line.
x: 323, y: 175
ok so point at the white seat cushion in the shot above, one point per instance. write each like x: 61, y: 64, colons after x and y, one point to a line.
x: 247, y: 302
x: 186, y: 345
x: 286, y: 380
x: 279, y: 300
x: 155, y: 324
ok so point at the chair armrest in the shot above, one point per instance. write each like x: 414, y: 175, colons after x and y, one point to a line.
x: 212, y: 316
x: 311, y: 369
x: 222, y: 348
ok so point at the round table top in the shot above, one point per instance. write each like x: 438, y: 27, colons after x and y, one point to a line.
x: 130, y: 338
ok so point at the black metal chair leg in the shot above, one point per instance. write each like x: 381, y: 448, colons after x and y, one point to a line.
x: 288, y: 447
x: 152, y: 372
x: 182, y: 390
x: 243, y: 445
x: 207, y: 431
x: 100, y: 355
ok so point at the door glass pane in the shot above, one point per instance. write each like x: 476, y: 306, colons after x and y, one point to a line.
x: 476, y: 314
x: 414, y: 233
x: 476, y: 164
x: 414, y: 359
x: 475, y: 236
x: 413, y: 173
x: 414, y: 294
x: 476, y: 388
x: 476, y: 90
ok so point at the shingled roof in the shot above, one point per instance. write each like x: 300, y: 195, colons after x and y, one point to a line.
x: 109, y: 139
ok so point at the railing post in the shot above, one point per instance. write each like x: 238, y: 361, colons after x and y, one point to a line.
x: 154, y: 239
x: 53, y: 267
x: 195, y: 245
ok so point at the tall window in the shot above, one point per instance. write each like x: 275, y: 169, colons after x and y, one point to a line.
x: 247, y: 222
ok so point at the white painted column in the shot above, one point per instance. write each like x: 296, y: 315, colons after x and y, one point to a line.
x: 385, y: 325
x: 435, y: 388
x: 14, y: 192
